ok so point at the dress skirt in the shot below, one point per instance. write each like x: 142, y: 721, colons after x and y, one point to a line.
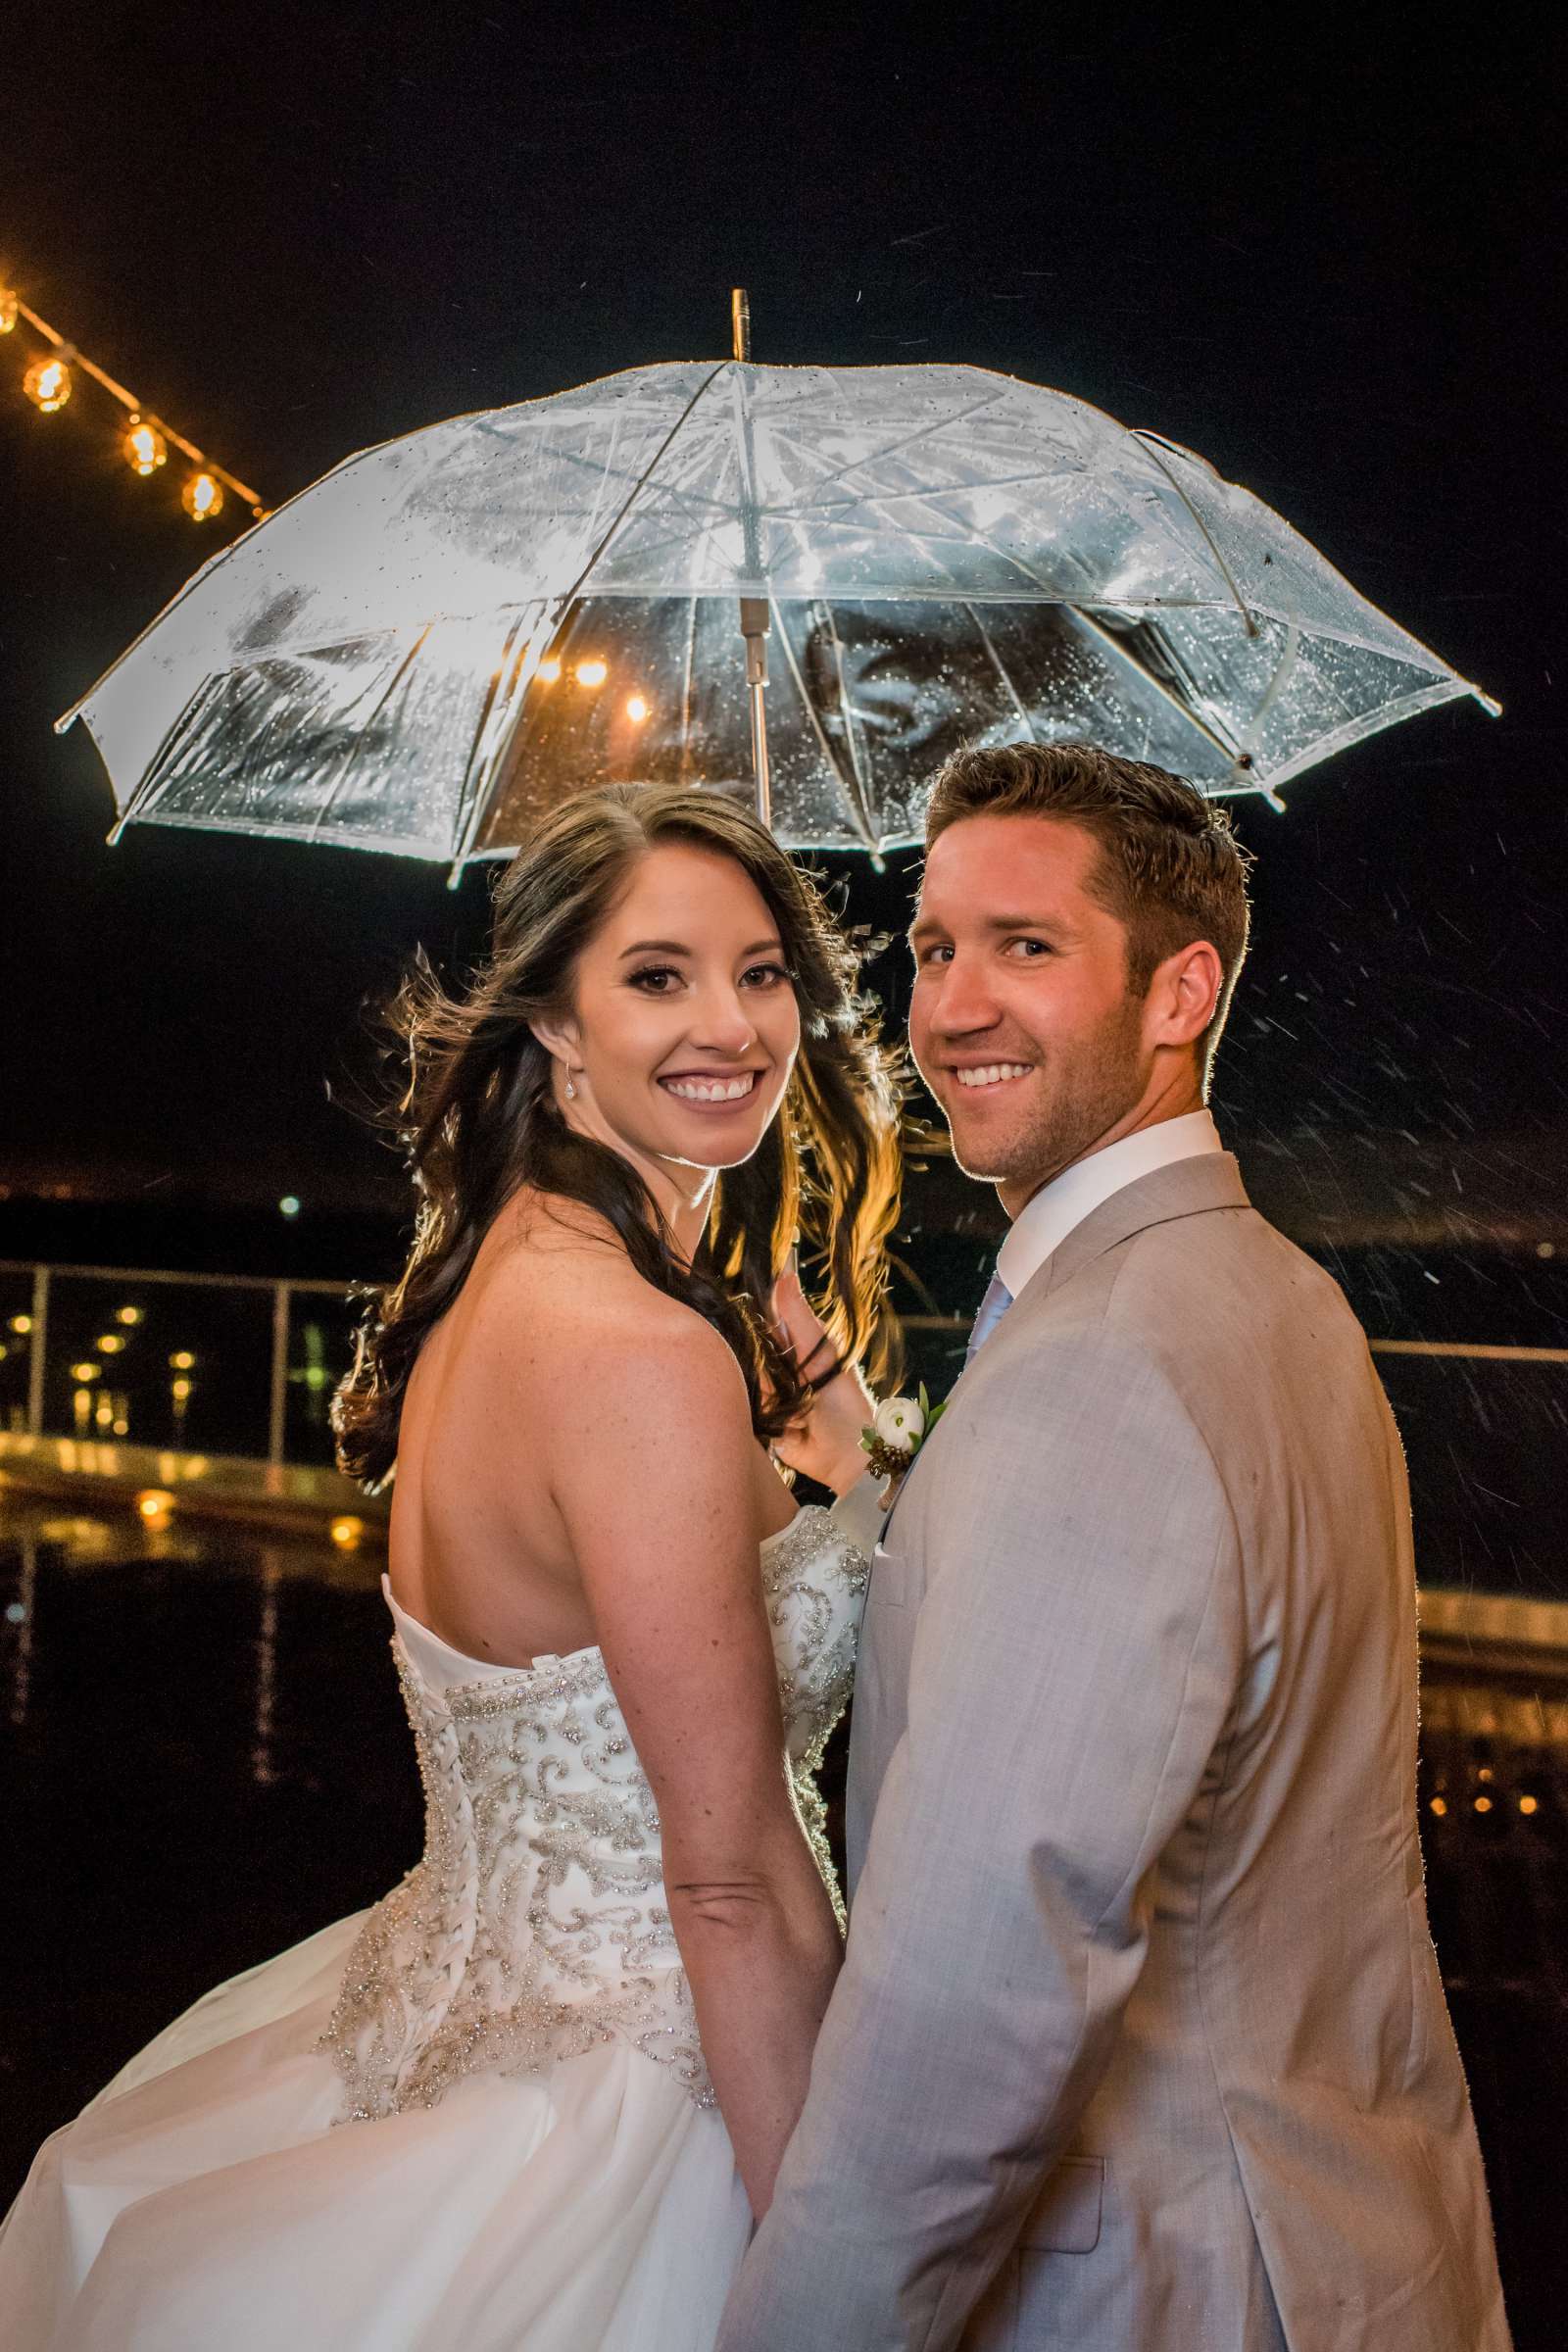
x: 209, y: 2200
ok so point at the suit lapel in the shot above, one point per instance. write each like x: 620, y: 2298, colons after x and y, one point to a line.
x: 1188, y: 1188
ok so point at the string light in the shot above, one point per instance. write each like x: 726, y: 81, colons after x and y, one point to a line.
x: 145, y: 447
x: 201, y: 498
x: 49, y: 382
x: 636, y: 709
x: 550, y: 669
x: 591, y: 674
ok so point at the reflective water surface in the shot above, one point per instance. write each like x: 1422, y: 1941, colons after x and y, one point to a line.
x: 205, y: 1759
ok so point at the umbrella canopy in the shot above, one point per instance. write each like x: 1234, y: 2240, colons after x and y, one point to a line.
x: 452, y: 631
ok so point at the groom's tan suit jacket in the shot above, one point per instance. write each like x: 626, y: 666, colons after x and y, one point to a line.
x: 1140, y: 2044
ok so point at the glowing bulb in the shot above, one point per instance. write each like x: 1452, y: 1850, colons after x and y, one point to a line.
x: 201, y: 498
x: 155, y: 1502
x: 182, y: 1361
x: 22, y: 1325
x: 143, y: 448
x: 179, y: 1389
x: 9, y: 308
x: 1483, y: 1804
x: 346, y: 1533
x: 110, y: 1344
x: 47, y: 384
x: 289, y: 1205
x: 591, y: 674
x: 549, y: 669
x: 85, y: 1372
x: 1528, y: 1804
x: 4, y: 1352
x: 128, y: 1314
x: 636, y: 709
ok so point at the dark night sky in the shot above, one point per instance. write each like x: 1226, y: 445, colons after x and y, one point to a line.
x: 297, y: 232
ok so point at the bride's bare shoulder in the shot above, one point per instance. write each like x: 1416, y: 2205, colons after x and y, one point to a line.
x: 564, y: 1304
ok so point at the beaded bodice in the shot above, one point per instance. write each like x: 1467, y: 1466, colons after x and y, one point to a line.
x: 535, y: 1925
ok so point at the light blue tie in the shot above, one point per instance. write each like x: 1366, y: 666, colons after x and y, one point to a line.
x: 992, y: 1306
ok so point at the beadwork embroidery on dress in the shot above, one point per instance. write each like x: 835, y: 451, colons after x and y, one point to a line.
x: 535, y: 1923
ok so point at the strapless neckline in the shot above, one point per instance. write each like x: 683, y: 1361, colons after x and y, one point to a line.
x: 441, y: 1666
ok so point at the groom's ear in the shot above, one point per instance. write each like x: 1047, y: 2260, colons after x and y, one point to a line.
x: 1182, y: 995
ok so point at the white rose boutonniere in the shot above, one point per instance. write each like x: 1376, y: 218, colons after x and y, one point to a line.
x: 898, y: 1431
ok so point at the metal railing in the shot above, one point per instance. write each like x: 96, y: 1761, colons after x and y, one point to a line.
x: 282, y: 1293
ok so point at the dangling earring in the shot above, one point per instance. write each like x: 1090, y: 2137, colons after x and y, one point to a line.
x: 571, y: 1092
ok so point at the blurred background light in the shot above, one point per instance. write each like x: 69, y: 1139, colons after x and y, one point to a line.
x: 144, y: 448
x: 47, y: 384
x: 202, y: 497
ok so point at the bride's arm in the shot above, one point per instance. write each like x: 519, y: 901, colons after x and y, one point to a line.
x: 652, y: 1467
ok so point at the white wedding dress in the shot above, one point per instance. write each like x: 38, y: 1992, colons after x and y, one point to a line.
x: 474, y: 2119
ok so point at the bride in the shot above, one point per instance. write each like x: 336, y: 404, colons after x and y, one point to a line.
x: 533, y: 2099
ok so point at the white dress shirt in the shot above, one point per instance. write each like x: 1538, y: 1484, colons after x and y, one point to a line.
x: 1043, y: 1223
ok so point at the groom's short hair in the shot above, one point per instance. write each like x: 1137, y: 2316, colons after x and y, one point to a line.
x: 1170, y: 868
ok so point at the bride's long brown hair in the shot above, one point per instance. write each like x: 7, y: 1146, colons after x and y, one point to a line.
x: 477, y: 1119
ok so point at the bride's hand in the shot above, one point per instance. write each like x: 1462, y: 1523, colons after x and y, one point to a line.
x: 824, y: 1443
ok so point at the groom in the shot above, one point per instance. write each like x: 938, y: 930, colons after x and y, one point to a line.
x: 1140, y: 2043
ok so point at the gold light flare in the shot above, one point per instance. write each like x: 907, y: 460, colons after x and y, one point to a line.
x: 202, y: 497
x: 128, y: 1314
x: 346, y: 1533
x: 592, y: 672
x: 179, y: 1389
x: 110, y: 1344
x: 22, y: 1325
x: 183, y: 1360
x: 143, y: 448
x: 10, y: 308
x: 155, y: 1502
x: 47, y: 384
x: 549, y: 669
x: 85, y: 1372
x: 636, y: 709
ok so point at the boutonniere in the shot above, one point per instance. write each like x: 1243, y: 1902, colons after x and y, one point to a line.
x: 900, y: 1427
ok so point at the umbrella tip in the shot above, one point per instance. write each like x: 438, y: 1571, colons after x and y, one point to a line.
x: 740, y: 322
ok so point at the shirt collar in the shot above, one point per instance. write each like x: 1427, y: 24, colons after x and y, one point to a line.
x: 1044, y: 1222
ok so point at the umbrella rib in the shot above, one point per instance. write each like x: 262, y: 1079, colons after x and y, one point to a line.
x: 847, y: 785
x: 1148, y: 443
x: 1003, y: 673
x: 891, y: 448
x: 638, y: 486
x: 1124, y: 653
x: 481, y: 761
x: 346, y: 762
x: 860, y: 784
x: 564, y: 605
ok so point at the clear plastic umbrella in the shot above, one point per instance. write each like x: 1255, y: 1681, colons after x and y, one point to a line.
x: 454, y: 630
